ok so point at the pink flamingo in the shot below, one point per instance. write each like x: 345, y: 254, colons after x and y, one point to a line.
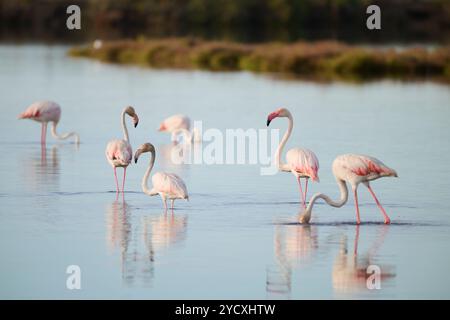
x: 119, y: 152
x: 354, y: 169
x: 177, y: 124
x: 302, y: 163
x: 45, y: 112
x: 167, y: 185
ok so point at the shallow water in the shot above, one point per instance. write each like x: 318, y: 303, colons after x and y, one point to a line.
x: 237, y: 237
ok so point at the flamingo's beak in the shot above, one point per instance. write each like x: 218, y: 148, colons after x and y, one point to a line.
x: 136, y: 120
x: 137, y: 154
x: 162, y: 127
x: 271, y: 116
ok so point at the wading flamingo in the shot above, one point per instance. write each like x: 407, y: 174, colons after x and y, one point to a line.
x: 119, y: 152
x: 177, y: 124
x: 45, y: 112
x: 167, y: 185
x: 302, y: 163
x: 188, y: 136
x: 354, y: 169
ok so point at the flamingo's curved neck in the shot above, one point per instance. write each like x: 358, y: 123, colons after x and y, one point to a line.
x: 287, y: 134
x: 306, y: 216
x: 147, y: 174
x: 64, y: 135
x: 124, y: 128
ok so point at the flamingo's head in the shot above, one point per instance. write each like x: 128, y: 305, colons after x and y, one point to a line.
x: 132, y: 113
x: 279, y: 113
x: 146, y: 147
x: 305, y: 216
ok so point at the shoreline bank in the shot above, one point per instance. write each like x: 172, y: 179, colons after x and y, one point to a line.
x: 326, y: 60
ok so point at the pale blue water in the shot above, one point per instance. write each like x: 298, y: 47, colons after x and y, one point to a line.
x: 237, y: 237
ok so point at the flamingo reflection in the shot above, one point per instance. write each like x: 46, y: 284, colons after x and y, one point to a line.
x: 42, y: 169
x: 350, y: 273
x: 137, y: 260
x: 141, y: 239
x: 164, y: 231
x: 293, y: 245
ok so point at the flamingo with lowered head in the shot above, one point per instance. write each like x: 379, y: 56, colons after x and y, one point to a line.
x: 45, y: 112
x: 167, y: 185
x: 119, y: 152
x: 302, y: 163
x: 177, y: 124
x: 354, y: 169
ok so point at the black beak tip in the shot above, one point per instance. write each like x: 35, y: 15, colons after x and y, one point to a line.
x: 135, y: 125
x: 268, y: 122
x: 135, y: 160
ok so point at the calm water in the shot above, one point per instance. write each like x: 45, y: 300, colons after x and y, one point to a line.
x: 237, y: 237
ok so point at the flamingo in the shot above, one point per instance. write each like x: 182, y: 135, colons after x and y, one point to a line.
x: 119, y: 152
x: 302, y: 163
x: 188, y: 136
x: 350, y: 270
x: 179, y: 124
x: 45, y: 112
x: 354, y: 169
x: 167, y: 185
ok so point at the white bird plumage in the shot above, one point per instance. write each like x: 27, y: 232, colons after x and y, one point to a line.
x: 179, y: 124
x: 45, y: 112
x: 167, y: 185
x: 119, y: 152
x: 302, y: 163
x: 354, y: 169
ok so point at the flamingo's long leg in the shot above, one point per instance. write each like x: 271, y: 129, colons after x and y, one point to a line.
x: 164, y: 201
x: 301, y: 191
x: 306, y: 190
x: 117, y: 183
x: 355, y: 194
x: 172, y: 201
x: 386, y: 218
x: 43, y: 133
x: 355, y: 245
x: 124, y: 176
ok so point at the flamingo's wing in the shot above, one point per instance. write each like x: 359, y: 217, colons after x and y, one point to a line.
x: 366, y: 166
x: 174, y: 122
x: 166, y: 231
x: 42, y: 110
x: 169, y: 183
x: 119, y: 150
x: 303, y: 161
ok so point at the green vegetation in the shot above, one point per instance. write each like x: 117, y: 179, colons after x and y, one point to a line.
x: 323, y: 60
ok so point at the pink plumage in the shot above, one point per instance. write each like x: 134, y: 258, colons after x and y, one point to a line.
x: 118, y: 151
x: 353, y: 169
x: 45, y: 112
x: 360, y: 168
x: 175, y: 122
x: 170, y: 184
x: 42, y: 111
x: 302, y: 163
x: 175, y: 125
x: 167, y: 185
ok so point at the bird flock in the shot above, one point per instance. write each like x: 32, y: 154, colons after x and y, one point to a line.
x: 352, y: 169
